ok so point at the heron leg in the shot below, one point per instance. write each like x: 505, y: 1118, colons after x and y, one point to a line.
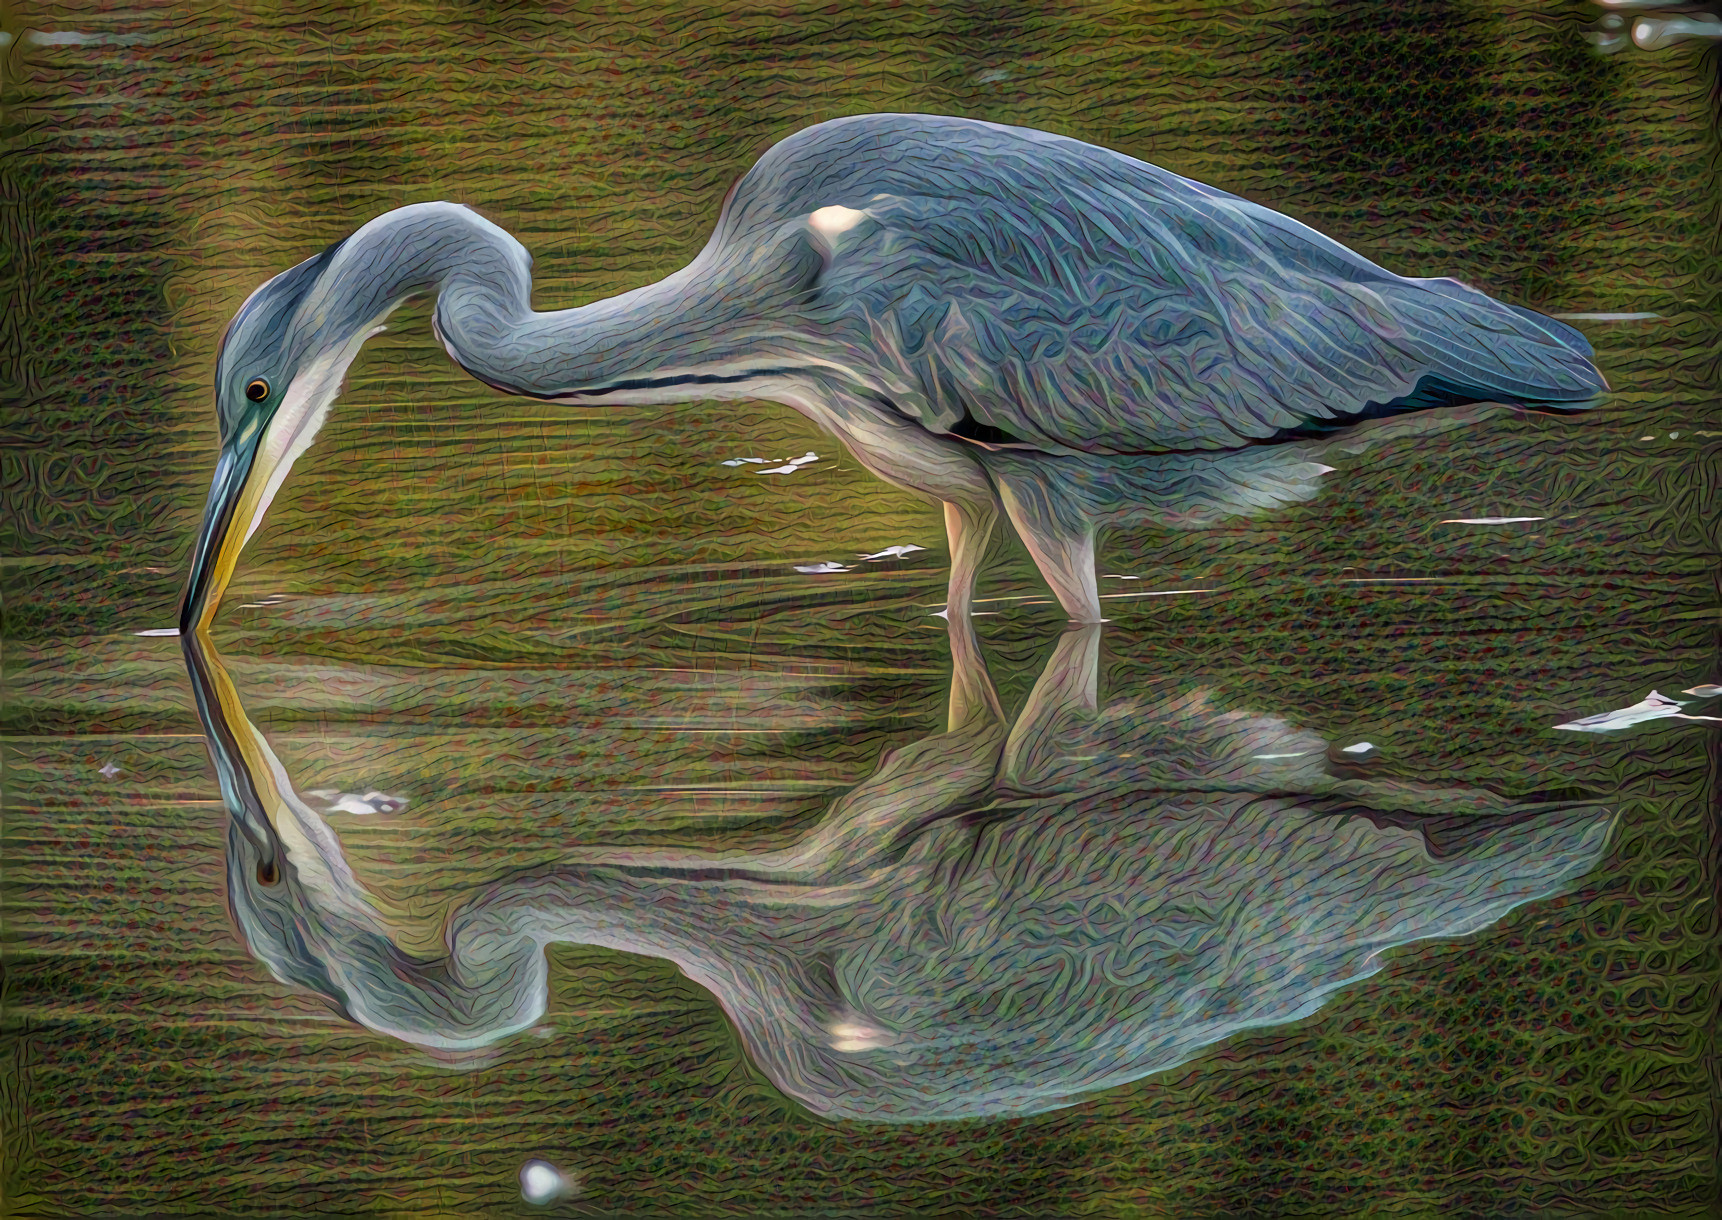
x: 1063, y: 550
x: 968, y: 527
x: 973, y: 698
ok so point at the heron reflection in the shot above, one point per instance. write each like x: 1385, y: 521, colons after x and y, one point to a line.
x: 1003, y: 918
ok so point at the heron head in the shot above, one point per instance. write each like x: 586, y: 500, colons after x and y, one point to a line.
x: 305, y: 917
x: 308, y: 918
x: 280, y: 917
x: 281, y: 364
x: 313, y: 927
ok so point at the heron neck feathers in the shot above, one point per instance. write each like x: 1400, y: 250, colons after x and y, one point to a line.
x: 717, y: 328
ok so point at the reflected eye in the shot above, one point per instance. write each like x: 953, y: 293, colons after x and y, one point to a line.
x: 266, y: 874
x: 258, y: 390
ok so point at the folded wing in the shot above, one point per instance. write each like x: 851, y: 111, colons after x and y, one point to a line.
x: 1081, y: 301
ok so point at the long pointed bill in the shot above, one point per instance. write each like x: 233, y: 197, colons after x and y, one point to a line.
x: 232, y: 498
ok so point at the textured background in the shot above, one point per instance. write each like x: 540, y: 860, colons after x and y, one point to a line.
x: 547, y: 627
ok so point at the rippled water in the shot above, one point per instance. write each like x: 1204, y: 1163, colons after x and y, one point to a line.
x: 547, y: 631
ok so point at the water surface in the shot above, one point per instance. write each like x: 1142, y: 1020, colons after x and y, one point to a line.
x: 549, y: 630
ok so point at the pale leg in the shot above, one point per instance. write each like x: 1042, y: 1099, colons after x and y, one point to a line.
x: 973, y: 698
x: 968, y: 527
x: 1064, y: 552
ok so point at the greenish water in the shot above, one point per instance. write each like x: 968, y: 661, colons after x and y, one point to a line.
x: 551, y: 629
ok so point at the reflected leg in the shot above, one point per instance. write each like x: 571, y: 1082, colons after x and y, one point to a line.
x: 1068, y: 689
x: 914, y: 785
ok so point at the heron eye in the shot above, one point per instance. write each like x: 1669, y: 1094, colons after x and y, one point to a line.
x: 266, y: 874
x: 258, y: 390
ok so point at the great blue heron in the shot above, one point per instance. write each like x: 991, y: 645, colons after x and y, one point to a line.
x: 999, y: 921
x: 998, y: 318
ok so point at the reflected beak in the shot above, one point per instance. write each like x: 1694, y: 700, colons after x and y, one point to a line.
x: 226, y: 522
x: 227, y: 730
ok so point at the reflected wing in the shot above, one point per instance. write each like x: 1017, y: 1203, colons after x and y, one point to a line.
x: 1107, y: 306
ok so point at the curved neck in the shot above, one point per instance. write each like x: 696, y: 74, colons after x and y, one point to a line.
x: 493, y: 980
x: 720, y: 327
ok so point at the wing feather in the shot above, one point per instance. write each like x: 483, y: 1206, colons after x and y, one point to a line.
x: 1082, y: 301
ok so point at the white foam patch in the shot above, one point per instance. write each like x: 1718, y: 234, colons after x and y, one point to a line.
x: 1707, y: 691
x: 362, y: 804
x: 1489, y: 520
x: 1606, y: 317
x: 791, y: 465
x: 1362, y: 747
x: 893, y: 552
x: 819, y: 569
x: 159, y: 631
x: 1654, y: 706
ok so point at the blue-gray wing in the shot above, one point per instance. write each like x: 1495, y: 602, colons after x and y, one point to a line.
x: 1010, y: 285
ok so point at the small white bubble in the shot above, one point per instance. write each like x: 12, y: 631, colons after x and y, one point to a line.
x: 541, y: 1182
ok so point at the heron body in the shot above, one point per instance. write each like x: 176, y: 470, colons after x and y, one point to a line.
x: 1004, y: 320
x: 1002, y: 919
